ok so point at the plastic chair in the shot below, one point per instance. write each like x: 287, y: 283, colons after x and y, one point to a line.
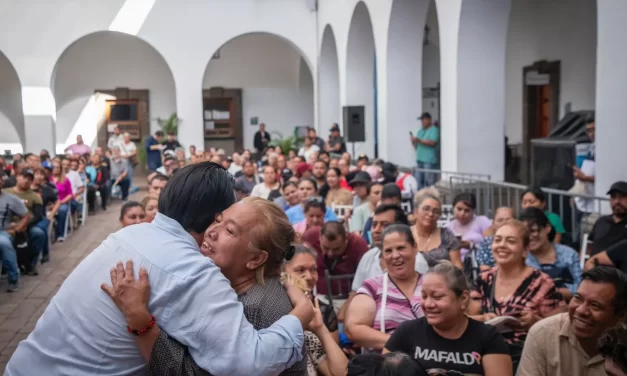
x: 328, y: 279
x: 340, y: 210
x: 446, y: 216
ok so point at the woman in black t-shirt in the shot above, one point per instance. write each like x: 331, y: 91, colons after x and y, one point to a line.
x: 445, y: 341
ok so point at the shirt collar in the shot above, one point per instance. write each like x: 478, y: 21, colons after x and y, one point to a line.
x: 171, y: 226
x: 566, y: 332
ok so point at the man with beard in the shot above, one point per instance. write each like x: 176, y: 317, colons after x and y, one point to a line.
x: 611, y: 229
x: 566, y: 343
x: 319, y: 172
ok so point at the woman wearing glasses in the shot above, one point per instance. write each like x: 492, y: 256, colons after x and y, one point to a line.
x: 435, y: 243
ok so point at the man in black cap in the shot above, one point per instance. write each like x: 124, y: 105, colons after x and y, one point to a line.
x: 426, y: 142
x: 611, y: 229
x: 336, y: 142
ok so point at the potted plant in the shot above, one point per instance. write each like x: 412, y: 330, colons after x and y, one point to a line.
x: 170, y: 125
x: 286, y: 143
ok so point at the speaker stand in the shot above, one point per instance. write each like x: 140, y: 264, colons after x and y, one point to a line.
x: 354, y: 156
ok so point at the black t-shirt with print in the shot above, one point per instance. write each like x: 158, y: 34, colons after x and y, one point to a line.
x: 441, y: 356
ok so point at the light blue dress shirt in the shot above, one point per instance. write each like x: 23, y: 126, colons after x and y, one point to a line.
x: 83, y: 333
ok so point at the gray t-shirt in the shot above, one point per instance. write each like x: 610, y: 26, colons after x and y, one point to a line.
x: 10, y: 206
x: 117, y: 168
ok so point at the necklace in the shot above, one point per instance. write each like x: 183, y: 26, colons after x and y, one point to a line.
x: 424, y: 247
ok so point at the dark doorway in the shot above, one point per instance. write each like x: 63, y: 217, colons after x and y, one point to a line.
x: 541, y: 90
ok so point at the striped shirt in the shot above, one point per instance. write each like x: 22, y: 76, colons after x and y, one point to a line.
x: 397, y: 308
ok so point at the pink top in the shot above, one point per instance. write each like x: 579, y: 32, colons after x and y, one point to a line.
x: 77, y: 149
x: 472, y: 231
x: 301, y: 227
x: 64, y: 189
x: 397, y: 308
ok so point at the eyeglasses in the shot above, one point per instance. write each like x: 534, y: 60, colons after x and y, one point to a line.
x: 428, y: 209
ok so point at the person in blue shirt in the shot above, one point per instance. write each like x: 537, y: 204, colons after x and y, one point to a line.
x: 153, y: 151
x: 307, y: 188
x: 82, y: 332
x: 426, y: 142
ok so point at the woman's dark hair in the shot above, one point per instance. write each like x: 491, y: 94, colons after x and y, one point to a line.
x: 535, y: 216
x: 611, y: 276
x: 399, y: 215
x: 314, y: 202
x: 336, y: 170
x: 536, y: 192
x: 399, y: 229
x: 128, y: 205
x: 289, y: 183
x: 391, y: 190
x: 196, y: 194
x: 467, y: 199
x: 613, y: 346
x: 311, y: 180
x: 391, y: 364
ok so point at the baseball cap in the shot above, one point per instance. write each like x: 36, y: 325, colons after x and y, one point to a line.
x: 362, y: 177
x: 27, y: 172
x: 362, y: 156
x: 618, y: 187
x: 425, y: 115
x: 334, y: 128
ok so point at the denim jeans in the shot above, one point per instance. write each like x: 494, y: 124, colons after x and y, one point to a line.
x: 61, y: 218
x: 38, y: 239
x: 426, y: 179
x: 9, y: 257
x: 43, y: 224
x: 124, y: 185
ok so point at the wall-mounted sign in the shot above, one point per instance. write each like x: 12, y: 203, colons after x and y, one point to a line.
x: 254, y: 120
x: 533, y: 78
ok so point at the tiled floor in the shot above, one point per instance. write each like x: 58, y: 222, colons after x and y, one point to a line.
x: 19, y: 311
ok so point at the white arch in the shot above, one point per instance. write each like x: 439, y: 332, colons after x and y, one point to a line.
x: 404, y: 77
x: 360, y: 68
x: 328, y: 81
x: 275, y: 76
x: 106, y: 60
x: 12, y: 131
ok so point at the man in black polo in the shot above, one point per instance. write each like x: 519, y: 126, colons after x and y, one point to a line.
x: 611, y: 229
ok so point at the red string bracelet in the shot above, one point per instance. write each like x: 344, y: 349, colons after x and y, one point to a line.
x: 142, y: 331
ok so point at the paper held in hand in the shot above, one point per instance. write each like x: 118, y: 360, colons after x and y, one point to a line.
x: 503, y: 323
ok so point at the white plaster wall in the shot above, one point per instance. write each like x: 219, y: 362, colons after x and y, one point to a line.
x: 328, y: 82
x: 431, y: 52
x: 105, y: 61
x: 11, y: 118
x: 611, y: 91
x: 551, y: 30
x: 186, y: 33
x: 276, y: 83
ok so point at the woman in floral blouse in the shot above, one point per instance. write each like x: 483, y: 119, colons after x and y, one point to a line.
x: 514, y: 289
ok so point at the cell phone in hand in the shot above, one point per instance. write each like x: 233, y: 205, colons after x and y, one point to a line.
x: 411, y: 134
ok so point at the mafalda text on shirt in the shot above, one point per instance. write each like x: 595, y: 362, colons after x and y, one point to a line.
x: 448, y: 357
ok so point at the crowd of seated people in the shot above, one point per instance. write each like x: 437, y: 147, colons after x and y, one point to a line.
x: 473, y: 295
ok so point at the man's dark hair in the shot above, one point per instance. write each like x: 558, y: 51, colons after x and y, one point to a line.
x: 613, y: 345
x: 391, y: 190
x: 333, y: 230
x: 391, y: 364
x: 612, y: 276
x: 399, y: 214
x: 196, y: 194
x: 159, y: 177
x: 27, y: 155
x: 159, y: 133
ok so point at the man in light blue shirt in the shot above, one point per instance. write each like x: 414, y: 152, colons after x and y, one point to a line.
x: 426, y: 143
x: 83, y: 333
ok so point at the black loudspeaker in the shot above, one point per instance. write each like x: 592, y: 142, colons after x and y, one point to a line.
x: 354, y: 124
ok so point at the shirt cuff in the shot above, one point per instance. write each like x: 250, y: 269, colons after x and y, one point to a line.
x: 294, y: 329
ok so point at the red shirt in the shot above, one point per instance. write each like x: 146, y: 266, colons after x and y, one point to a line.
x: 344, y: 184
x: 347, y: 264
